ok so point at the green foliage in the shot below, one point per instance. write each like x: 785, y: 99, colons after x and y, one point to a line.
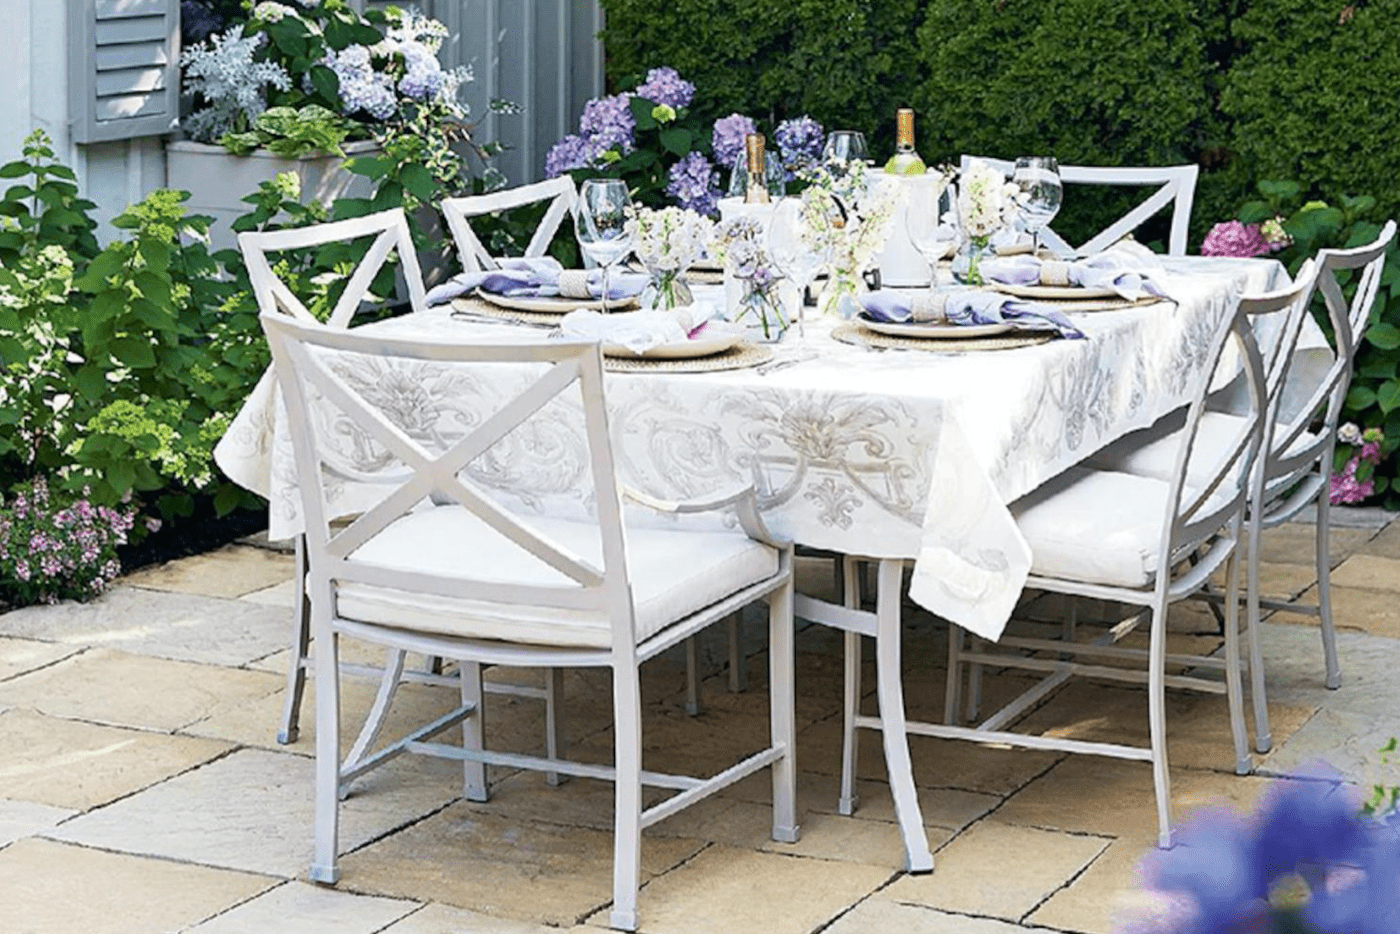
x: 43, y: 206
x: 1312, y: 97
x: 289, y: 132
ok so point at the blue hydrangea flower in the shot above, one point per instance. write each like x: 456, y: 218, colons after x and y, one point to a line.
x: 666, y: 86
x: 693, y: 183
x: 1306, y: 823
x: 800, y: 142
x: 1213, y: 863
x: 607, y: 123
x: 571, y: 152
x: 727, y: 140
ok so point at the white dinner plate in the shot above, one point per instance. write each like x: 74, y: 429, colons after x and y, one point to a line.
x: 935, y: 331
x: 553, y: 304
x: 703, y: 346
x: 1070, y: 292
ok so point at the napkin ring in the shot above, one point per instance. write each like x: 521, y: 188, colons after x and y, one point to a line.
x: 1054, y: 272
x: 573, y: 283
x: 929, y: 309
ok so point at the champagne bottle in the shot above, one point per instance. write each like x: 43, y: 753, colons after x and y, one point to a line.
x: 756, y: 191
x: 905, y: 160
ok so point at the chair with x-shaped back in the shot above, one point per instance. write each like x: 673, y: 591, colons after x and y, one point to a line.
x: 559, y: 192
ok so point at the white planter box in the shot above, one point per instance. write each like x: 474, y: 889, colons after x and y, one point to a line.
x: 218, y: 181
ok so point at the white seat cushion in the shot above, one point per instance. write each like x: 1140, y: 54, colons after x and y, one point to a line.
x: 1098, y: 527
x: 1153, y: 453
x: 673, y: 574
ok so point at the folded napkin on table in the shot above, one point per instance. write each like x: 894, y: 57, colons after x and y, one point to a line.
x: 963, y: 307
x: 541, y: 276
x: 1129, y: 269
x: 640, y: 331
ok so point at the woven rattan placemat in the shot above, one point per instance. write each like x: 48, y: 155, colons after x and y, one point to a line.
x: 854, y: 333
x: 741, y: 355
x: 476, y: 308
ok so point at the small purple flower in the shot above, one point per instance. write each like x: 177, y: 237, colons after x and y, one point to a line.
x: 727, y: 139
x: 800, y: 142
x: 1231, y: 238
x: 693, y: 183
x: 666, y: 86
x: 607, y: 123
x: 571, y: 152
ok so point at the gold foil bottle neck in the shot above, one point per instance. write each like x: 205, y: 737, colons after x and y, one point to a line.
x: 754, y: 145
x: 904, y: 128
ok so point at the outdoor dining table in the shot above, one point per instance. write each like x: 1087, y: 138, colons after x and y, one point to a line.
x: 900, y: 455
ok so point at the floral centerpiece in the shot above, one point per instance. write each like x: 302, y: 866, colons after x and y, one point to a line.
x: 846, y: 220
x: 650, y: 137
x: 667, y: 241
x: 987, y: 204
x: 739, y: 244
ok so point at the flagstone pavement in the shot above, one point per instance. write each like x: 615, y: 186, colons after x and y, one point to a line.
x: 142, y: 788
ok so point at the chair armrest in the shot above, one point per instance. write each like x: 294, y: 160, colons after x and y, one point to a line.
x: 744, y: 502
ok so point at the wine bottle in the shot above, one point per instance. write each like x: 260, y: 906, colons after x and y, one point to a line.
x: 756, y: 191
x: 905, y: 160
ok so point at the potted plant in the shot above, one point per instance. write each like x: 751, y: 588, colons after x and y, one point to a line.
x: 301, y: 87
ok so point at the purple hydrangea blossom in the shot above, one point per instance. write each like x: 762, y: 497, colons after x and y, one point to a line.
x: 800, y: 143
x: 693, y: 183
x: 361, y: 87
x: 607, y: 123
x: 666, y: 86
x: 727, y: 139
x: 1344, y: 487
x: 571, y: 152
x: 424, y: 77
x: 1231, y: 238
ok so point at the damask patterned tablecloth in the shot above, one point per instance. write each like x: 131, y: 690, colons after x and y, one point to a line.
x: 885, y: 454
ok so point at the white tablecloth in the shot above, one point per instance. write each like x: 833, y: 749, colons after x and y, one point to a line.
x: 884, y: 454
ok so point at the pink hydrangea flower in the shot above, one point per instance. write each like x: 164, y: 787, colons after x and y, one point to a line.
x: 1231, y: 238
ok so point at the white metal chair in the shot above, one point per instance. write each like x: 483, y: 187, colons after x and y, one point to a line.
x: 391, y: 235
x: 1297, y: 465
x: 437, y: 566
x: 1177, y: 187
x: 559, y: 192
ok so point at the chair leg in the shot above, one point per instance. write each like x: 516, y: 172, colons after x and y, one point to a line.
x: 374, y: 720
x: 323, y: 863
x: 1234, y: 691
x: 782, y: 716
x: 692, y: 677
x: 1258, y: 692
x: 952, y: 690
x: 1324, y: 589
x: 850, y: 737
x: 474, y: 784
x: 627, y: 829
x: 974, y: 687
x: 301, y: 648
x: 553, y: 723
x: 1157, y: 720
x: 738, y: 664
x: 891, y: 694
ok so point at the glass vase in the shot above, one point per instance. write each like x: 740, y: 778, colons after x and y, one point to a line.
x: 666, y: 289
x: 841, y: 294
x: 757, y: 304
x: 967, y: 264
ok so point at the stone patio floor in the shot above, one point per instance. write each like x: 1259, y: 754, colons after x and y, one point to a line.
x: 142, y: 788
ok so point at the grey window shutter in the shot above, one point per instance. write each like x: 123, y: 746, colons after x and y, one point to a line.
x: 124, y: 61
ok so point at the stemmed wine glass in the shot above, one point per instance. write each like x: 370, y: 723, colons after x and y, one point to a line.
x: 600, y: 223
x: 789, y: 239
x: 1038, y: 177
x: 931, y: 220
x: 844, y: 147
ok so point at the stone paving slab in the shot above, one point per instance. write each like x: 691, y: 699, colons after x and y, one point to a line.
x: 442, y: 919
x: 879, y: 914
x: 54, y: 888
x: 18, y: 656
x: 547, y: 873
x: 115, y: 688
x: 19, y: 819
x: 76, y: 765
x: 1293, y: 660
x: 231, y: 571
x: 728, y: 889
x: 299, y: 908
x: 1106, y: 897
x: 252, y: 811
x: 1369, y: 572
x: 1348, y: 741
x: 169, y: 625
x: 999, y: 870
x: 1376, y: 612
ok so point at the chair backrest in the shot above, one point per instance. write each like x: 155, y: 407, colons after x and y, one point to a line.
x: 560, y: 192
x: 312, y: 361
x: 390, y: 232
x: 1176, y: 187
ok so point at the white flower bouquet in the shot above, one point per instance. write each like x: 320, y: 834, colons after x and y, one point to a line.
x: 667, y: 241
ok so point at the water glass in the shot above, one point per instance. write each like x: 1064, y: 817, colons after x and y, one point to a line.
x: 600, y: 223
x: 789, y: 246
x: 844, y: 147
x: 1038, y: 177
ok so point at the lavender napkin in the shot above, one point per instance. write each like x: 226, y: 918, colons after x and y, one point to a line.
x: 541, y: 276
x: 1129, y: 270
x: 963, y: 307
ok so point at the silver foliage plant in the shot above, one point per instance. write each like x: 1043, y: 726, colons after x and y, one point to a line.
x: 234, y: 86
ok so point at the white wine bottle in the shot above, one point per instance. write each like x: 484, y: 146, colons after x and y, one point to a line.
x: 905, y: 160
x: 756, y: 191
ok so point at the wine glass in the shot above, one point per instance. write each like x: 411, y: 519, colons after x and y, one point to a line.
x: 789, y: 247
x: 931, y: 221
x: 1038, y: 177
x: 844, y: 147
x: 600, y: 223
